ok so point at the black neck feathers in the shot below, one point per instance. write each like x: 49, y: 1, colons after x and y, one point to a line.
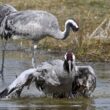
x: 66, y: 66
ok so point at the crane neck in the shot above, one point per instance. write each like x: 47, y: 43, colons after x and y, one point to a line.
x: 66, y: 31
x: 66, y: 66
x: 74, y: 69
x: 69, y: 24
x: 61, y: 35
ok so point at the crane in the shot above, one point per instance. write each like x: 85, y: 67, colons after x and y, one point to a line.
x: 58, y: 78
x: 35, y: 25
x: 5, y: 10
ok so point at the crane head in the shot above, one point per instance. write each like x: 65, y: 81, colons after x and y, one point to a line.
x: 72, y: 23
x: 69, y: 60
x: 69, y: 56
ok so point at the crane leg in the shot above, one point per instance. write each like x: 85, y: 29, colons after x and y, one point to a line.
x: 3, y: 59
x: 33, y: 54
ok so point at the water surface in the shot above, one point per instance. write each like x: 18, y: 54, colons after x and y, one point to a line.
x: 18, y: 61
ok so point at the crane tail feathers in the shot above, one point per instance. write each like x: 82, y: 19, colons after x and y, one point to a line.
x: 5, y: 10
x: 4, y: 93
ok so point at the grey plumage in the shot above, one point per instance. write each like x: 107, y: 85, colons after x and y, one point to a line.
x: 35, y: 25
x: 24, y: 79
x: 57, y: 78
x: 84, y: 81
x: 61, y: 72
x: 56, y: 71
x: 5, y: 10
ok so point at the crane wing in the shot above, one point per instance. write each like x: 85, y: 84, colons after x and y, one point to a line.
x: 84, y: 82
x: 30, y: 23
x: 40, y: 76
x: 5, y: 10
x: 48, y: 75
x: 22, y: 80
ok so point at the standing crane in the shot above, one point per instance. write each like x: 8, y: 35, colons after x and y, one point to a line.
x: 5, y: 10
x: 35, y: 25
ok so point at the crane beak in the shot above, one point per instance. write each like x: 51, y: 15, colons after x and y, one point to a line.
x: 70, y: 66
x: 75, y: 29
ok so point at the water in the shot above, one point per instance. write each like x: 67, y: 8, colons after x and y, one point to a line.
x: 18, y: 61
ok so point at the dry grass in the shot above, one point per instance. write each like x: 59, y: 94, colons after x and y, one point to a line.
x: 88, y: 13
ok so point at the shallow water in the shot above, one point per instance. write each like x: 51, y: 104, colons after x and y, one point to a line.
x: 18, y: 61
